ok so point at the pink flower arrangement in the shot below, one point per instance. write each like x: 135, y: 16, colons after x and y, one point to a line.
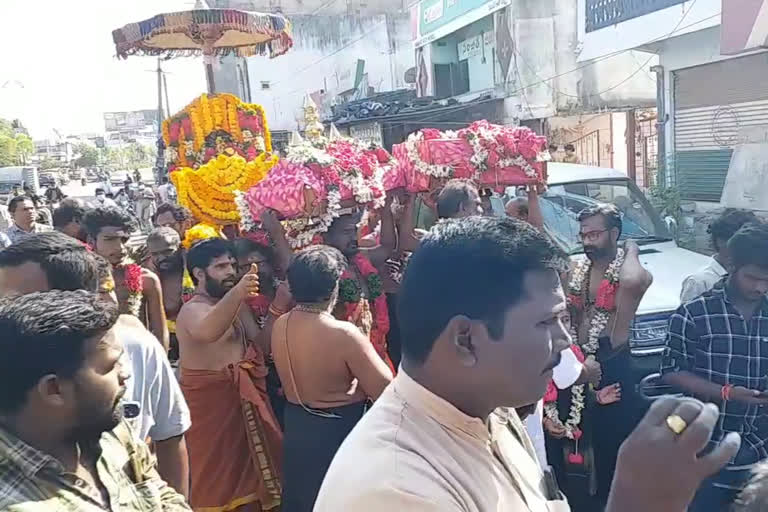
x: 495, y: 156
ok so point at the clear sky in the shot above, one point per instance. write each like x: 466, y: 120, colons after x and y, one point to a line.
x: 61, y: 53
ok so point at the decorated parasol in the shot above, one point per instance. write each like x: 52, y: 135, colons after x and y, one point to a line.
x: 320, y: 179
x: 206, y: 32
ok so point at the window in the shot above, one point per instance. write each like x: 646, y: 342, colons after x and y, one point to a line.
x: 451, y: 79
x: 265, y: 85
x: 561, y: 205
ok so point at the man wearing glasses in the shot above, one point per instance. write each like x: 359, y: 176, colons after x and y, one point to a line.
x: 604, y: 291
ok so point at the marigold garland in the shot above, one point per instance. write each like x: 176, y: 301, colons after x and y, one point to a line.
x: 195, y: 234
x: 206, y: 114
x: 209, y: 192
x: 182, y: 155
x: 187, y: 135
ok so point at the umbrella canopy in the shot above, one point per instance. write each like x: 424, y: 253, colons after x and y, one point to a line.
x: 205, y: 32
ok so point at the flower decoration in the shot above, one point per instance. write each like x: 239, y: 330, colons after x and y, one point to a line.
x: 107, y: 285
x: 242, y: 127
x: 187, y: 285
x: 492, y: 155
x: 370, y: 313
x: 316, y: 180
x: 496, y: 147
x: 209, y: 192
x: 197, y: 233
x: 134, y: 283
x: 605, y: 304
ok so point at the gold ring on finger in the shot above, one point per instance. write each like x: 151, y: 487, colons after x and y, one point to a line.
x: 676, y: 424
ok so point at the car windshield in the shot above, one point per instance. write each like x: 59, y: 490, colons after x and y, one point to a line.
x: 561, y: 205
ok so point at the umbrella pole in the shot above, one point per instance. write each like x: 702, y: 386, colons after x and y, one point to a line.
x: 209, y: 78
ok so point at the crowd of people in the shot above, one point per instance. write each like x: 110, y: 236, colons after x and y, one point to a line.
x: 387, y: 369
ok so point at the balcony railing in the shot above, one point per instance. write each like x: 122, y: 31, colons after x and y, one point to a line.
x: 604, y: 13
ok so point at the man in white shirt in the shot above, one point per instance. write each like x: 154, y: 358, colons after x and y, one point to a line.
x: 163, y: 191
x: 479, y: 312
x: 102, y: 200
x: 721, y: 230
x: 54, y: 260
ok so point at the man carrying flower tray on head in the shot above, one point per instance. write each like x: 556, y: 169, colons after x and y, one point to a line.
x: 361, y: 295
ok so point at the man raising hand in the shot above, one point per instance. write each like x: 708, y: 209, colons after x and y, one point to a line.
x: 232, y: 462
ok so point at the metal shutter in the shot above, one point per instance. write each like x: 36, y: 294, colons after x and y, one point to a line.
x: 712, y: 102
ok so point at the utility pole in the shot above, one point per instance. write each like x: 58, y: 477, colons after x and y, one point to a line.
x: 160, y: 118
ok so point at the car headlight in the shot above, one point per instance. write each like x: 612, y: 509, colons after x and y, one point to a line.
x: 649, y: 331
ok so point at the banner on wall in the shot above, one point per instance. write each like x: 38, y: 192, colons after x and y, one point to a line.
x: 435, y: 19
x: 505, y: 43
x: 422, y: 74
x: 473, y: 46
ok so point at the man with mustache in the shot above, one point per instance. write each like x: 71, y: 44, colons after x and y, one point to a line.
x: 174, y: 216
x: 63, y: 442
x: 235, y: 442
x: 24, y: 214
x: 604, y: 292
x: 167, y: 261
x: 54, y: 261
x: 480, y: 315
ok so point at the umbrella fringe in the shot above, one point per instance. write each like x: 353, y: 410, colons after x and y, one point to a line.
x: 274, y: 48
x: 132, y: 39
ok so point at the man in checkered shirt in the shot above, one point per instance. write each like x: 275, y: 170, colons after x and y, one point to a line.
x: 717, y: 351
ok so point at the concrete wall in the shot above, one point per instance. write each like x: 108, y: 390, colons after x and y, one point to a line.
x: 553, y: 79
x: 568, y: 129
x: 324, y: 61
x: 659, y: 25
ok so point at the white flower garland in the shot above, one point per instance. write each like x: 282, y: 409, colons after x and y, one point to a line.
x: 246, y: 219
x: 480, y: 155
x: 412, y: 148
x: 307, y: 228
x: 133, y: 303
x: 307, y: 152
x: 598, y: 324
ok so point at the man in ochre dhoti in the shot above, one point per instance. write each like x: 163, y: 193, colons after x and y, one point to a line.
x: 235, y: 442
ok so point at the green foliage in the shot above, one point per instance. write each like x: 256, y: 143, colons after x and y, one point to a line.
x: 48, y: 163
x: 667, y: 201
x: 25, y: 148
x: 134, y: 156
x: 15, y: 145
x: 88, y: 156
